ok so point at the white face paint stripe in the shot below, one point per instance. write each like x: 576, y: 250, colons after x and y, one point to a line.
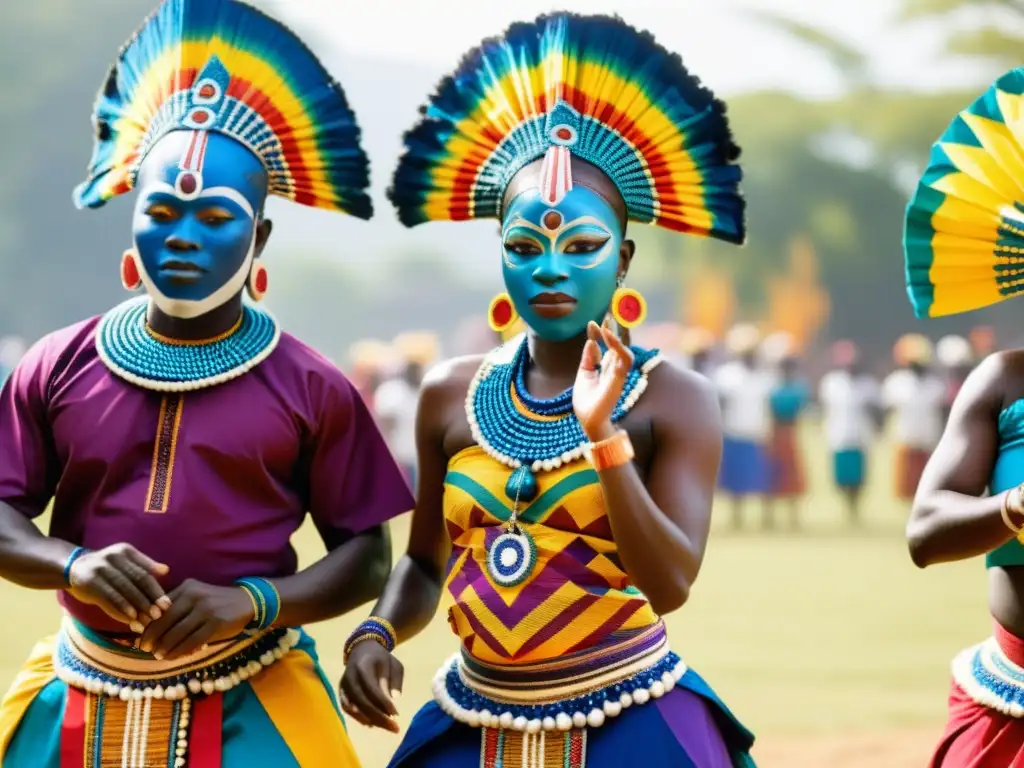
x: 187, y: 309
x: 226, y: 192
x: 194, y: 156
x: 556, y: 175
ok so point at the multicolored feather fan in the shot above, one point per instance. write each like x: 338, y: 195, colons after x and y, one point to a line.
x: 222, y: 65
x: 964, y: 235
x: 595, y: 85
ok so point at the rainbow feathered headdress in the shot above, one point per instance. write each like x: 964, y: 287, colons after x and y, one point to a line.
x: 592, y: 86
x: 964, y: 235
x: 221, y: 65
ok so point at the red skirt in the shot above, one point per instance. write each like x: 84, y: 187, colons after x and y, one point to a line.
x: 980, y: 737
x: 787, y: 467
x: 910, y: 464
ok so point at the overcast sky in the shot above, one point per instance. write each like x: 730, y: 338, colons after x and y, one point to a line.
x: 718, y: 38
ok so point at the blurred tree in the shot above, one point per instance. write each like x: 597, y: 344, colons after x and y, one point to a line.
x: 991, y: 29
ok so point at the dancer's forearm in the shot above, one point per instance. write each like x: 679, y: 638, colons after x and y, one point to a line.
x: 28, y: 557
x: 947, y: 526
x: 345, y: 578
x: 410, y: 598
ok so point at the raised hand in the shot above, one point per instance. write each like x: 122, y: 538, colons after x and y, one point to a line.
x: 123, y: 583
x: 599, y: 381
x: 373, y: 678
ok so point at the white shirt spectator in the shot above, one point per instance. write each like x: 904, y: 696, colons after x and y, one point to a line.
x: 917, y: 405
x: 746, y: 406
x: 846, y: 401
x: 394, y: 402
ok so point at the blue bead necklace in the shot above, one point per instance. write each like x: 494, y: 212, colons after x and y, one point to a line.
x: 531, y: 435
x: 138, y: 355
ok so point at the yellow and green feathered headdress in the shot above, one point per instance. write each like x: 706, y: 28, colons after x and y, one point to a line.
x: 964, y: 236
x: 590, y: 85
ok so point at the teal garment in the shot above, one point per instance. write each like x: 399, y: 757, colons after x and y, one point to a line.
x: 788, y: 399
x: 36, y: 743
x: 1008, y: 473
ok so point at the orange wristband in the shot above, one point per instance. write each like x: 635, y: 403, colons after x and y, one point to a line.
x: 613, y: 452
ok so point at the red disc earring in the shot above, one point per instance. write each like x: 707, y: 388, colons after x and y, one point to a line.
x: 259, y: 281
x: 629, y: 308
x: 502, y: 313
x: 130, y: 277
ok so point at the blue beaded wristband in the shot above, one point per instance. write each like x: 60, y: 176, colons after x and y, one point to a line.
x: 265, y: 599
x: 76, y: 553
x: 376, y: 629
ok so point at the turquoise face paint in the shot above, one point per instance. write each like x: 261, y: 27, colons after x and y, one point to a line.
x: 560, y: 262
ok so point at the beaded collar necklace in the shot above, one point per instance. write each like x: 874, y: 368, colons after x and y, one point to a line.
x: 531, y: 435
x: 140, y: 356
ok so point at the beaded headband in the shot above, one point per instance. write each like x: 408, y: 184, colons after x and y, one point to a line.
x: 588, y: 86
x: 221, y: 65
x: 964, y: 237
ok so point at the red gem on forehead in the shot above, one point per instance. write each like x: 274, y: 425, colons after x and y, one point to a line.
x: 552, y: 220
x: 563, y: 133
x: 207, y: 91
x: 187, y: 183
x: 200, y: 117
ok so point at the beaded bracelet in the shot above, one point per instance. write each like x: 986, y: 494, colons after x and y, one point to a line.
x: 374, y: 628
x: 76, y: 553
x: 266, y: 601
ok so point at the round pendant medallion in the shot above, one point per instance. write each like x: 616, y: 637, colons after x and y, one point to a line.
x: 511, y: 558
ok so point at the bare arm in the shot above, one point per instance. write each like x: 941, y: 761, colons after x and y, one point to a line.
x: 28, y: 557
x: 951, y: 520
x: 351, y: 574
x: 661, y: 528
x: 410, y: 598
x: 413, y: 590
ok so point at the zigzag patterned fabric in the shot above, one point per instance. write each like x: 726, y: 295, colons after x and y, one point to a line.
x: 964, y: 237
x: 221, y: 65
x: 578, y: 594
x: 596, y: 85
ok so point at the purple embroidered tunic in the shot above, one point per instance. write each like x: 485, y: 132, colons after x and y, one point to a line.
x: 214, y: 482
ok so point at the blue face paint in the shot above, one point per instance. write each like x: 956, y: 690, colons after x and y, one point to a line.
x: 195, y: 220
x: 560, y: 263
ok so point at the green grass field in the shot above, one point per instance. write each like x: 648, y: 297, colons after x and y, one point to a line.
x: 826, y: 639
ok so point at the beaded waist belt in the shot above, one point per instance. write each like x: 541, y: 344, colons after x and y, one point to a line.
x: 87, y: 661
x: 992, y: 673
x: 575, y: 691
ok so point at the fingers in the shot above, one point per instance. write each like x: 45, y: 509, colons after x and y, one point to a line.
x: 113, y: 603
x: 149, y: 586
x: 352, y: 711
x: 623, y: 353
x: 188, y: 644
x: 396, y: 678
x: 121, y: 573
x: 591, y: 358
x: 145, y: 562
x: 362, y: 695
x: 155, y: 632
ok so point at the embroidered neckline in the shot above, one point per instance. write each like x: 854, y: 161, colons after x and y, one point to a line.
x: 133, y: 352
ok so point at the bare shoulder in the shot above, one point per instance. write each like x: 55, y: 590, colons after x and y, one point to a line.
x: 449, y: 379
x: 995, y: 383
x: 681, y: 397
x: 671, y: 381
